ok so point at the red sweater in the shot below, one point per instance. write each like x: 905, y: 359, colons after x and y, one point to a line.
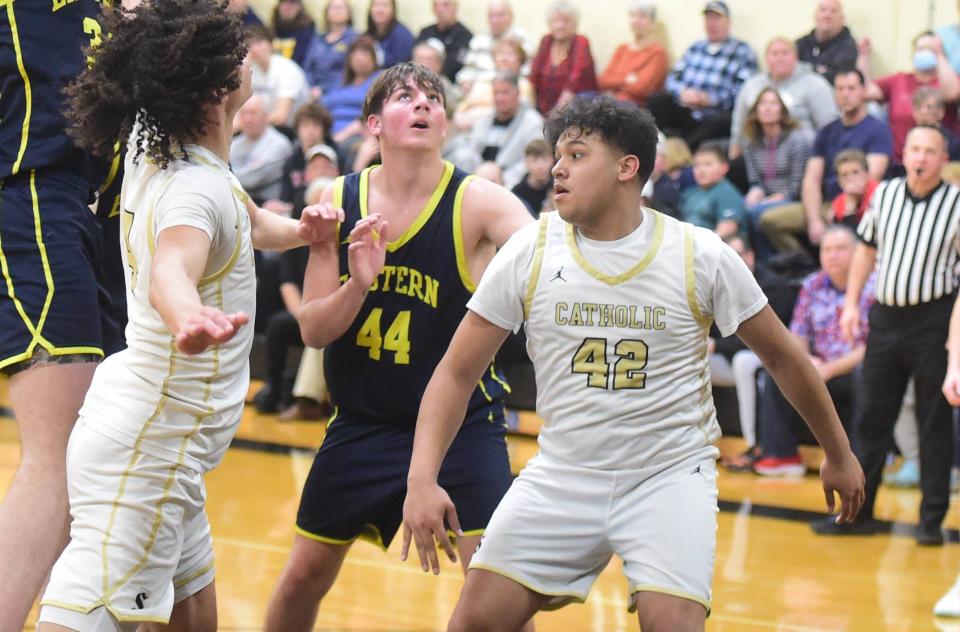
x: 575, y: 73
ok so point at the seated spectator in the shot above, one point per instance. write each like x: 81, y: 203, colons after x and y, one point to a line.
x: 430, y: 53
x: 637, y: 69
x: 536, y: 185
x: 311, y: 126
x: 395, y: 41
x: 327, y: 55
x: 714, y: 203
x: 278, y: 80
x: 283, y: 330
x: 855, y: 129
x: 829, y: 47
x: 563, y: 66
x: 292, y: 30
x: 930, y: 68
x: 733, y: 364
x: 501, y: 137
x: 807, y: 95
x: 816, y: 326
x: 672, y: 174
x: 856, y: 185
x: 929, y: 109
x: 345, y: 102
x: 241, y: 8
x: 775, y: 151
x: 478, y: 62
x: 702, y: 87
x: 508, y: 56
x: 454, y: 35
x: 258, y: 152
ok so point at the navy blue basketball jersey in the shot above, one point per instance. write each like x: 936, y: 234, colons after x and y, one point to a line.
x: 41, y: 52
x: 379, y: 369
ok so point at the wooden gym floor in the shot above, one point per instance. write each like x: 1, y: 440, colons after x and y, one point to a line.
x: 771, y: 573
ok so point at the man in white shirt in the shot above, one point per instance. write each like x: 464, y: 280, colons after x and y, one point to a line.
x: 478, y: 62
x: 617, y: 302
x: 258, y: 152
x: 280, y: 81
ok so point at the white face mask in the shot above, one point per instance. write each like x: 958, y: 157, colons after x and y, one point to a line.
x: 924, y: 60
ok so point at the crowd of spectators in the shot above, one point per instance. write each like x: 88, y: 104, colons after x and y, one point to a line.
x: 782, y: 156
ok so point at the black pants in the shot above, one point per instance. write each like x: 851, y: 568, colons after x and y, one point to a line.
x: 674, y: 119
x: 907, y: 342
x: 283, y: 332
x: 779, y: 423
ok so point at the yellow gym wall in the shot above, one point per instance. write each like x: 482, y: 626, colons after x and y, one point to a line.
x: 890, y: 24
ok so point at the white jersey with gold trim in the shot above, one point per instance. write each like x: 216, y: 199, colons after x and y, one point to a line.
x: 177, y: 407
x: 617, y: 332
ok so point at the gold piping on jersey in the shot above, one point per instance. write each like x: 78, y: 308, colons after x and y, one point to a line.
x: 632, y: 272
x: 424, y: 215
x: 27, y: 88
x: 572, y: 596
x: 114, y: 169
x: 483, y: 389
x: 121, y: 488
x: 98, y: 604
x: 194, y: 575
x: 496, y: 378
x: 690, y: 277
x: 634, y: 589
x: 172, y: 472
x: 151, y: 211
x: 234, y: 256
x: 45, y: 261
x: 536, y: 265
x: 36, y: 331
x: 458, y: 245
x: 370, y: 533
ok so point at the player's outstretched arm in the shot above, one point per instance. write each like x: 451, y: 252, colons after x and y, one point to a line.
x: 270, y: 231
x: 442, y: 411
x: 178, y: 263
x: 805, y: 390
x: 329, y: 307
x: 951, y: 383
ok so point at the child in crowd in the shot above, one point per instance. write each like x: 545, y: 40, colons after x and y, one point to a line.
x: 535, y: 187
x: 714, y: 203
x: 857, y: 186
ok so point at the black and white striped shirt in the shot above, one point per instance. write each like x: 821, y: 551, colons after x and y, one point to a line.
x: 916, y: 241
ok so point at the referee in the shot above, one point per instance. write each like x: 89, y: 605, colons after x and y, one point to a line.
x: 910, y: 231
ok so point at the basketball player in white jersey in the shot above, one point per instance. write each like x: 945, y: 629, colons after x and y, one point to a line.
x: 616, y: 301
x: 161, y: 413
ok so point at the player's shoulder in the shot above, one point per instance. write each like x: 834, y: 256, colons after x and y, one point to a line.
x: 482, y: 195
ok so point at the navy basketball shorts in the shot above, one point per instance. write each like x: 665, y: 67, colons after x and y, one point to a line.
x: 51, y: 295
x: 358, y: 481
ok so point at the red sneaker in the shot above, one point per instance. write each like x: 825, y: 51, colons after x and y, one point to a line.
x: 790, y: 466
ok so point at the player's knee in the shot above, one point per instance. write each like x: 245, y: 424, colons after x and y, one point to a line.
x: 470, y: 618
x: 309, y: 575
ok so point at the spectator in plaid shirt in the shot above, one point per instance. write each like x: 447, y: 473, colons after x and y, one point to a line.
x: 701, y: 90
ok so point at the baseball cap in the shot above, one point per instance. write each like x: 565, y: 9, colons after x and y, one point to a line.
x: 717, y: 6
x: 321, y: 150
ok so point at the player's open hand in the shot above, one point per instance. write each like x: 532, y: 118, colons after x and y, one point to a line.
x: 368, y: 249
x: 951, y: 386
x: 846, y: 479
x: 208, y: 327
x: 424, y: 511
x: 850, y: 323
x: 318, y: 223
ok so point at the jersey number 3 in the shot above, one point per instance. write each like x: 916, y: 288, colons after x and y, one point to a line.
x: 397, y: 338
x: 590, y: 359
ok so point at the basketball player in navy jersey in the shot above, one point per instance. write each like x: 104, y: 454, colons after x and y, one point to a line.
x: 56, y: 321
x: 384, y: 302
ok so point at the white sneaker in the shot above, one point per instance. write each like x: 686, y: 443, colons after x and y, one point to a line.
x: 949, y: 604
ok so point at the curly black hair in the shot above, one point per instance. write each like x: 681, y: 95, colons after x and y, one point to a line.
x: 621, y: 124
x: 162, y: 65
